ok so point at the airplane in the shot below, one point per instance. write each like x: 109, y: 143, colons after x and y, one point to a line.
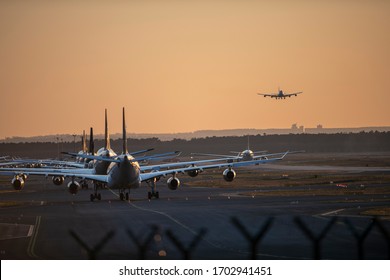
x: 43, y: 163
x: 82, y: 165
x: 4, y: 158
x: 245, y: 155
x: 280, y: 94
x: 125, y: 173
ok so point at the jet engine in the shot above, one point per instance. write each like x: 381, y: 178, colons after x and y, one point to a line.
x: 18, y: 182
x: 193, y: 173
x: 58, y: 180
x: 73, y: 187
x: 229, y: 175
x: 173, y: 183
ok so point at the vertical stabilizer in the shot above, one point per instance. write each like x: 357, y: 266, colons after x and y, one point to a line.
x: 124, y: 149
x: 248, y: 142
x: 84, y: 142
x: 107, y: 145
x: 91, y: 143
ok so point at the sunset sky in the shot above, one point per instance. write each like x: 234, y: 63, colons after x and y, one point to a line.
x: 181, y: 66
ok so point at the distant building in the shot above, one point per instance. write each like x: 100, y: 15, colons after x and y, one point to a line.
x: 296, y: 129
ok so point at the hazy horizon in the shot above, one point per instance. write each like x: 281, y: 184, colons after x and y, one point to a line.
x: 182, y: 66
x: 118, y: 135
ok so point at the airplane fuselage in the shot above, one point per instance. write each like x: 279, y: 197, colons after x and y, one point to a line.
x: 246, y: 155
x: 124, y: 175
x: 101, y: 167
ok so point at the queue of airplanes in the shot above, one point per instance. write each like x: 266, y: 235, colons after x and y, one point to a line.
x: 125, y: 171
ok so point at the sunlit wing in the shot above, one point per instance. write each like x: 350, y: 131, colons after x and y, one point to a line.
x: 265, y: 156
x: 46, y: 171
x: 260, y: 152
x: 88, y: 175
x: 44, y: 162
x: 215, y: 155
x: 151, y: 175
x: 116, y: 160
x: 178, y: 164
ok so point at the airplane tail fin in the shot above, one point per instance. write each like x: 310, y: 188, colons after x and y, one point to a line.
x: 107, y: 145
x: 84, y: 142
x: 91, y: 143
x: 124, y: 149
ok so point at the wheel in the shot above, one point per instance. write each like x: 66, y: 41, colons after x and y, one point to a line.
x: 121, y: 196
x: 92, y: 197
x: 99, y: 197
x: 127, y: 196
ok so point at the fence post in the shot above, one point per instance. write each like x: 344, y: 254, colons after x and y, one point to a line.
x: 316, y: 240
x: 92, y: 253
x: 142, y: 246
x: 253, y: 240
x: 186, y: 251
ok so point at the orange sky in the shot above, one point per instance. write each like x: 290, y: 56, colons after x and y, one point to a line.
x: 180, y: 66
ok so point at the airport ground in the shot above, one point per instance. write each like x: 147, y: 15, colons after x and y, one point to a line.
x: 306, y: 206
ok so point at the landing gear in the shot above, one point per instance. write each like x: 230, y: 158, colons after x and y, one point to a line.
x: 124, y: 195
x: 153, y: 185
x: 84, y: 185
x: 153, y: 194
x: 95, y: 194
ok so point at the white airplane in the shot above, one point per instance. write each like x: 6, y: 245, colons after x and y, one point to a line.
x: 280, y: 94
x: 4, y: 158
x: 245, y: 155
x: 41, y: 163
x: 125, y: 173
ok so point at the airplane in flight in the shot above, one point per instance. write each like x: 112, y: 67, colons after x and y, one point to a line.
x: 125, y: 173
x: 280, y: 94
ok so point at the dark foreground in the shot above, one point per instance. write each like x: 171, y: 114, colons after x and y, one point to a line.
x: 239, y: 222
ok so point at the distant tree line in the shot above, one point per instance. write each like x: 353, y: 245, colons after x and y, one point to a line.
x: 312, y: 143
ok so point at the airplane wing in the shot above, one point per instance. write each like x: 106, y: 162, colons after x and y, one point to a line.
x: 267, y: 94
x: 265, y: 156
x: 141, y: 151
x: 215, y: 155
x: 292, y: 94
x: 88, y: 173
x: 44, y: 161
x: 179, y: 164
x: 116, y: 160
x: 47, y: 171
x: 157, y: 174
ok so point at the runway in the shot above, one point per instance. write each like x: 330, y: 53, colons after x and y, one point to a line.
x: 44, y: 221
